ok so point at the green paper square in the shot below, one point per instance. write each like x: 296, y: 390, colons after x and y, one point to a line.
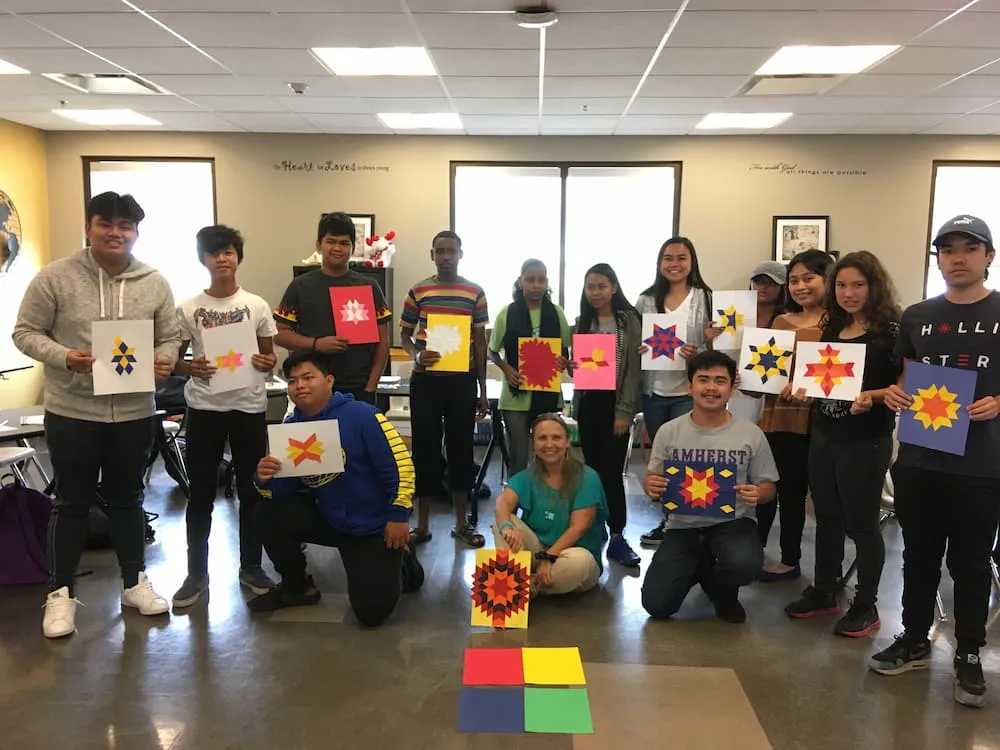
x: 557, y: 711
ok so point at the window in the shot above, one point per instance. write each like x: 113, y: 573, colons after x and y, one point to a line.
x: 178, y: 197
x: 967, y: 188
x: 570, y: 216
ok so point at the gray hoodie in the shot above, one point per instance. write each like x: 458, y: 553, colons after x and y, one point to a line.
x: 56, y: 315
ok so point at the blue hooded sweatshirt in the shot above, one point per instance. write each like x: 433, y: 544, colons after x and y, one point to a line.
x: 377, y: 483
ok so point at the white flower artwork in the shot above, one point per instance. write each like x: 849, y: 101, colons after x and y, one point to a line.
x: 354, y: 312
x: 444, y: 339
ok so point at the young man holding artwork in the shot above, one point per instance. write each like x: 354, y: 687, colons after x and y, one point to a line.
x: 215, y: 418
x: 944, y: 500
x: 721, y: 554
x: 445, y: 398
x: 88, y: 436
x: 363, y: 511
x: 305, y: 316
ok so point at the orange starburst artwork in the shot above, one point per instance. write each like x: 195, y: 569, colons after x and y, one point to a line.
x: 538, y: 362
x: 829, y: 371
x: 701, y: 489
x: 310, y: 449
x: 935, y: 407
x: 229, y: 361
x: 501, y: 586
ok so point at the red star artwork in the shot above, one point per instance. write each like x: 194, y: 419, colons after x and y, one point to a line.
x: 829, y: 371
x: 664, y: 342
x: 501, y: 586
x: 538, y: 362
x: 699, y: 488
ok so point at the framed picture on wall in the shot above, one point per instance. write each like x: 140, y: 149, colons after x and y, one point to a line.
x: 364, y: 227
x: 793, y: 234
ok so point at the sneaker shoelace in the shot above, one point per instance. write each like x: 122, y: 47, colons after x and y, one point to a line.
x: 62, y: 600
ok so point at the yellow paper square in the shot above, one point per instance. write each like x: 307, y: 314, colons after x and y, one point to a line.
x: 501, y: 583
x: 552, y: 666
x: 535, y: 366
x: 450, y: 336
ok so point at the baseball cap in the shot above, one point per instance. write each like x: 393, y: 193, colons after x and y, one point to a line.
x: 774, y: 270
x: 973, y: 226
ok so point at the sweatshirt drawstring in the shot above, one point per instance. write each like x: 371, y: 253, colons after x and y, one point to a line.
x: 121, y: 300
x: 121, y: 295
x: 100, y: 285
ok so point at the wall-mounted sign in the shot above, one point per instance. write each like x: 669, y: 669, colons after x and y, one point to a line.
x: 784, y: 167
x: 328, y: 165
x: 10, y: 233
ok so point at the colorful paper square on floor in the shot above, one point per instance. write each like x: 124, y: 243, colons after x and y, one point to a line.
x: 557, y: 711
x: 491, y: 710
x: 493, y: 666
x: 553, y: 666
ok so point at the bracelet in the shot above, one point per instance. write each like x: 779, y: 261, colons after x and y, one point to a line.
x: 416, y: 358
x: 505, y: 525
x: 315, y: 339
x: 546, y: 557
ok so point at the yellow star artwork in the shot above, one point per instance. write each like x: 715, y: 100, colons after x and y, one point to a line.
x: 730, y: 320
x: 935, y: 407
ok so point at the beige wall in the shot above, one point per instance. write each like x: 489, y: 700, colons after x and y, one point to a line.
x: 726, y: 206
x: 23, y: 178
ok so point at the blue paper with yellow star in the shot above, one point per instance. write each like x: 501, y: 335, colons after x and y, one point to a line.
x: 700, y: 488
x: 938, y: 417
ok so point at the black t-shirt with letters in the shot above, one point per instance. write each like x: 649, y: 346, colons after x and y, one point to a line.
x: 939, y: 332
x: 306, y: 307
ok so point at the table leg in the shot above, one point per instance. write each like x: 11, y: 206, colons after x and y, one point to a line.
x: 497, y: 440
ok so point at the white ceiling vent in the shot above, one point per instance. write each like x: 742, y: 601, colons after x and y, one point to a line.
x: 87, y: 83
x: 789, y: 85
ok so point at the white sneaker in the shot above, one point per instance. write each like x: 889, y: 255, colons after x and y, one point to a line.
x: 60, y: 614
x: 143, y: 598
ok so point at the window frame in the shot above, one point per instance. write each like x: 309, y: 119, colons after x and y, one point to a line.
x: 564, y: 167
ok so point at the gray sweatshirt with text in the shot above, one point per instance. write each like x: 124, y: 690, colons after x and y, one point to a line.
x: 56, y: 314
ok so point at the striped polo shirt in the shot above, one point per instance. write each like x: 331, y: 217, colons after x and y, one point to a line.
x: 430, y: 296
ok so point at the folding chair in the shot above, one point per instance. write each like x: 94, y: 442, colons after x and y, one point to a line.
x: 13, y: 457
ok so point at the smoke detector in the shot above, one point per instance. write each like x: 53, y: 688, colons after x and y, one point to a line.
x: 536, y: 17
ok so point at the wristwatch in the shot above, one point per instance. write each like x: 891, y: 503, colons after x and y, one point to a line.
x: 546, y: 557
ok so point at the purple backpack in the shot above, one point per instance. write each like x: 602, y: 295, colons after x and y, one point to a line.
x: 24, y: 521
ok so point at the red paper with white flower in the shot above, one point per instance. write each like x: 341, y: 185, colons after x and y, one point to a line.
x: 538, y: 363
x: 354, y: 314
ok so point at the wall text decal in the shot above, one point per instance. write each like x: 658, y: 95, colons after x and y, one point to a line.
x: 784, y: 167
x: 327, y: 165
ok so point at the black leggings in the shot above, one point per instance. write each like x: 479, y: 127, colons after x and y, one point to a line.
x: 603, y: 451
x: 443, y: 404
x: 791, y: 455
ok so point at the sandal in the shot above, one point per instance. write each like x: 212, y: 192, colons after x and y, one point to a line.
x: 469, y: 535
x: 418, y: 536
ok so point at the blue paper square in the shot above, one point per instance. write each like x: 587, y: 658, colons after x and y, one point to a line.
x: 491, y: 710
x: 938, y: 418
x: 700, y: 488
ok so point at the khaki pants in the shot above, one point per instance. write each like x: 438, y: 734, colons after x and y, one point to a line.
x: 575, y: 570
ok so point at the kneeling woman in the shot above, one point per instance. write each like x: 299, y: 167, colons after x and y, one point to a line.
x: 563, y: 512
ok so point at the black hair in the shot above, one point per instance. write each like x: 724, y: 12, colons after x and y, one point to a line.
x: 661, y: 287
x: 708, y: 360
x: 337, y: 224
x: 305, y: 356
x: 217, y: 238
x: 518, y: 293
x: 619, y: 302
x: 816, y: 261
x: 112, y: 206
x: 780, y: 304
x: 447, y: 234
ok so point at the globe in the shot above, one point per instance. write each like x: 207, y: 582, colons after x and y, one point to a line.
x: 10, y: 232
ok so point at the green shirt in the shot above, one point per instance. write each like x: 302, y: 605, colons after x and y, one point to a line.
x: 522, y: 401
x: 548, y: 516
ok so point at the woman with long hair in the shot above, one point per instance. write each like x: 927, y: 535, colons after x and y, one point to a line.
x: 562, y: 512
x: 532, y: 314
x: 852, y: 445
x: 605, y: 417
x: 787, y: 423
x: 678, y: 288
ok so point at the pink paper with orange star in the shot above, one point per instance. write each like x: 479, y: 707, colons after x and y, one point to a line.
x: 229, y: 348
x: 829, y: 370
x: 594, y: 355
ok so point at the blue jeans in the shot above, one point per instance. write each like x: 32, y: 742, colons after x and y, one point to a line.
x: 722, y: 558
x: 658, y: 410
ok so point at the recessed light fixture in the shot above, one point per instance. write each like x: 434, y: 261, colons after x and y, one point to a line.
x: 536, y: 19
x: 742, y: 120
x: 10, y: 69
x: 421, y: 120
x: 801, y: 60
x: 376, y: 61
x: 107, y: 117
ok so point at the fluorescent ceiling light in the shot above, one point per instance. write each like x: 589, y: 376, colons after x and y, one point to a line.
x: 800, y: 60
x: 742, y: 120
x: 10, y: 69
x: 376, y: 61
x: 421, y: 121
x: 105, y: 116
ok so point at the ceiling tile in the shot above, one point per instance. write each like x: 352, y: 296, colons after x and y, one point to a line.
x: 263, y: 6
x: 480, y: 106
x: 238, y: 103
x: 897, y: 123
x: 229, y: 29
x: 977, y: 85
x: 323, y: 104
x: 166, y: 60
x: 710, y: 61
x: 380, y: 88
x: 58, y: 6
x: 28, y: 85
x: 967, y: 29
x: 677, y: 106
x: 423, y: 105
x: 58, y: 60
x: 479, y: 123
x: 195, y: 122
x: 268, y: 62
x: 957, y: 105
x: 595, y: 106
x: 573, y: 87
x: 15, y: 32
x: 96, y: 30
x: 486, y: 62
x: 275, y: 122
x: 503, y: 7
x: 936, y: 60
x: 688, y: 86
x: 968, y: 125
x: 345, y: 123
x: 644, y: 123
x: 873, y: 84
x: 865, y: 5
x: 474, y: 86
x: 814, y: 124
x: 597, y: 62
x: 209, y: 85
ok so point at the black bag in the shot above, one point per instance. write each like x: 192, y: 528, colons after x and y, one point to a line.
x: 99, y: 525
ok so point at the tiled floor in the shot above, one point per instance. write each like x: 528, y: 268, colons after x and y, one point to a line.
x: 215, y: 677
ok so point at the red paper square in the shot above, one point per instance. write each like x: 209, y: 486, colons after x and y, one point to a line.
x: 354, y: 313
x: 493, y: 666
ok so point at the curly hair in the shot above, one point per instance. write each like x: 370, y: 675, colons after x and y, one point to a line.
x: 881, y: 308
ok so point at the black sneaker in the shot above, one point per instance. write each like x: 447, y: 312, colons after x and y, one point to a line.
x: 653, y: 537
x: 904, y: 655
x: 190, y: 591
x: 280, y: 597
x: 970, y: 687
x: 413, y: 571
x: 860, y: 620
x: 813, y: 602
x: 727, y: 604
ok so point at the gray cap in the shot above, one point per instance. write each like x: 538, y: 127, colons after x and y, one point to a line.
x: 965, y: 224
x: 774, y: 270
